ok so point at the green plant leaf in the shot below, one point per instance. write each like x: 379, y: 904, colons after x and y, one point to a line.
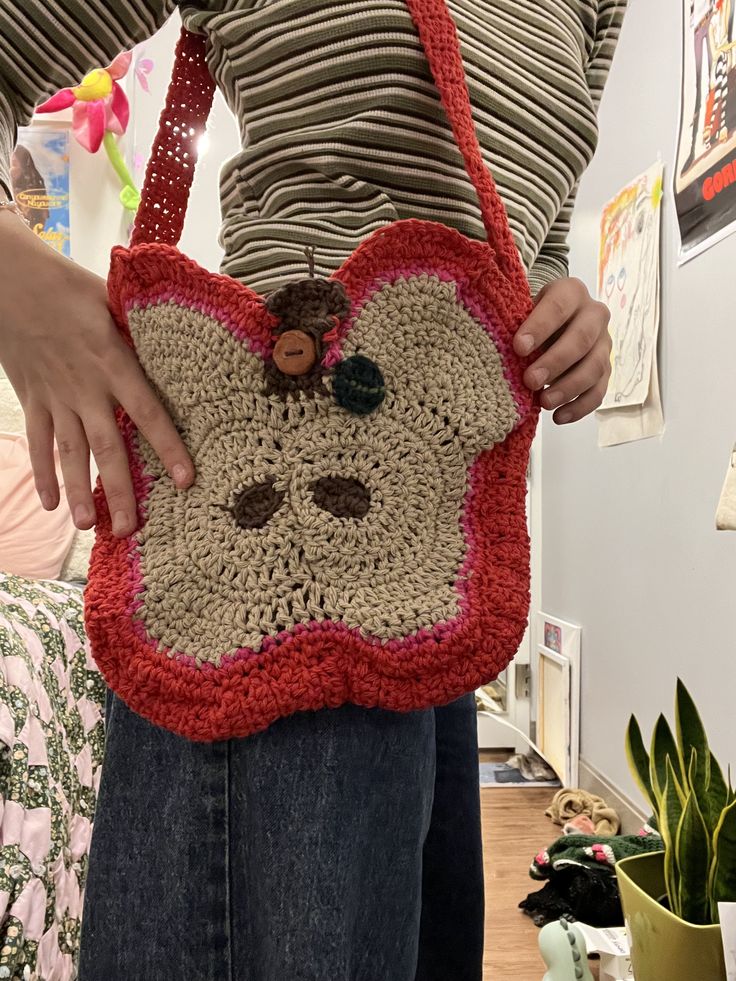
x: 692, y: 769
x: 638, y: 760
x: 691, y: 733
x: 663, y: 745
x: 707, y: 805
x: 722, y: 885
x: 717, y: 786
x: 675, y: 780
x: 692, y: 846
x: 673, y: 802
x: 717, y: 797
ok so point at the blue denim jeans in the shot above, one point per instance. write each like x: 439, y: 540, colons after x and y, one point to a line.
x: 340, y: 845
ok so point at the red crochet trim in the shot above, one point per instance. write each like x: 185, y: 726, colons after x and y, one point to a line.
x: 325, y: 665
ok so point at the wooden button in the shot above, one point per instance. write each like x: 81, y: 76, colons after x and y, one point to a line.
x: 295, y: 353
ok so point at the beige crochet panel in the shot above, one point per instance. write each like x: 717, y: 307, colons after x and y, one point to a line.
x: 387, y: 572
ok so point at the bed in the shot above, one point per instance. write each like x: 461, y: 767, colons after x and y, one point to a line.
x: 51, y: 749
x: 51, y: 746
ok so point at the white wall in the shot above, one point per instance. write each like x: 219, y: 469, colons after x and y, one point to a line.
x: 97, y: 218
x: 630, y: 549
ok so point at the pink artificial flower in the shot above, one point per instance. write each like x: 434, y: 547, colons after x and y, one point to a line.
x: 99, y: 103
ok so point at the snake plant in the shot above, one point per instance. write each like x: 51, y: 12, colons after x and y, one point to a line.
x: 695, y: 809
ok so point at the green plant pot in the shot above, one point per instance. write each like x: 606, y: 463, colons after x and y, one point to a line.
x: 664, y: 947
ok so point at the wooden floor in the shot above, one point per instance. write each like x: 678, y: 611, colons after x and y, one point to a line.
x: 514, y: 830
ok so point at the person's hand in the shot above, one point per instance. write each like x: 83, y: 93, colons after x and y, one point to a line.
x: 71, y: 369
x: 571, y: 329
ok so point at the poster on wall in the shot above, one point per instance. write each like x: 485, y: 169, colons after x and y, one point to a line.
x: 628, y: 283
x: 704, y: 181
x: 39, y: 176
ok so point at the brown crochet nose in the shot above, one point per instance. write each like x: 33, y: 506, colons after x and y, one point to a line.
x: 342, y: 497
x: 256, y: 505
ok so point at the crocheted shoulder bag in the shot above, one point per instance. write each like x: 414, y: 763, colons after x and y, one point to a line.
x: 357, y: 529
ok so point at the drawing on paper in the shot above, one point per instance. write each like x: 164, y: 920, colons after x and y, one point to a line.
x: 628, y: 283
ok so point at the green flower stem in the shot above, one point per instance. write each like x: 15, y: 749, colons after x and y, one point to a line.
x: 129, y: 196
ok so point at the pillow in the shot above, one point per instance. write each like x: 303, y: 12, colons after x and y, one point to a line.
x: 76, y: 564
x: 33, y: 542
x: 12, y: 419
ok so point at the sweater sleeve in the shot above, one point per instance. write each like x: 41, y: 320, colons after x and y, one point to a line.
x: 46, y: 45
x: 552, y: 260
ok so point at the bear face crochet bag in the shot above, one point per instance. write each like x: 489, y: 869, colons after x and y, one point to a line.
x: 357, y: 530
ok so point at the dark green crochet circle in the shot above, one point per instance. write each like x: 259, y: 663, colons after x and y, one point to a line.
x: 358, y: 385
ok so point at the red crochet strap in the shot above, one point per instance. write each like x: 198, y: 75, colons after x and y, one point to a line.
x: 439, y: 38
x: 170, y: 170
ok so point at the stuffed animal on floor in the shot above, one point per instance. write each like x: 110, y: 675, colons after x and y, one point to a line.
x: 563, y: 948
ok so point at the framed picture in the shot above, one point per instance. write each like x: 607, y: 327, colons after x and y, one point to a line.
x: 558, y: 695
x: 39, y: 176
x: 558, y: 635
x: 552, y: 637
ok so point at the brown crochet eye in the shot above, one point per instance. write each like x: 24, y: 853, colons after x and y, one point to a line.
x: 342, y: 497
x: 255, y: 506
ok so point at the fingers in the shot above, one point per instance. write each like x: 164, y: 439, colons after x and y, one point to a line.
x: 554, y: 306
x: 571, y: 332
x: 583, y: 405
x: 81, y: 371
x: 583, y: 333
x: 40, y: 433
x: 111, y: 456
x: 92, y: 427
x: 140, y: 402
x: 74, y: 457
x: 592, y: 372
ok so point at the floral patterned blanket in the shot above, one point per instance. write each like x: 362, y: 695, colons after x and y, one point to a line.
x: 51, y: 748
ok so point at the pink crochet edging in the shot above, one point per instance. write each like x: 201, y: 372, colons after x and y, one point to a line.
x: 144, y: 300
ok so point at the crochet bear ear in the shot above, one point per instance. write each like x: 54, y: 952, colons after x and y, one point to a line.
x: 192, y: 358
x: 440, y: 365
x: 200, y: 338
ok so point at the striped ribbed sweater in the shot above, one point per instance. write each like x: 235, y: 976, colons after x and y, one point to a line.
x: 342, y: 127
